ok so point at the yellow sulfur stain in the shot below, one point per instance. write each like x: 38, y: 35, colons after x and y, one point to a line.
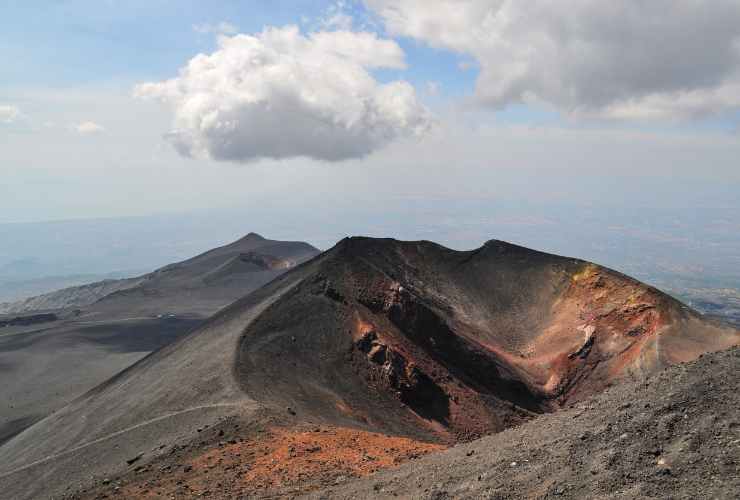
x: 588, y: 271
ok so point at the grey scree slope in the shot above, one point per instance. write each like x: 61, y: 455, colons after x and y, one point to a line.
x: 158, y: 401
x: 45, y: 366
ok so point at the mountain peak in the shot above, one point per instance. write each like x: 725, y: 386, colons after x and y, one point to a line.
x: 253, y: 236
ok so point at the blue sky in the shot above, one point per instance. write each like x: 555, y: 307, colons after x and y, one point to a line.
x: 67, y: 43
x: 620, y: 125
x: 73, y: 42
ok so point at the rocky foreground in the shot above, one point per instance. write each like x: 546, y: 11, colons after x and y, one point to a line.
x: 676, y: 435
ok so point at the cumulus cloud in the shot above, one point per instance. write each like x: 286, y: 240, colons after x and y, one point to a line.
x: 88, y: 128
x: 625, y: 59
x: 280, y: 94
x: 9, y: 113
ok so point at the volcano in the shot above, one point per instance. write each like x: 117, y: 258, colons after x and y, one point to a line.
x: 397, y: 347
x: 96, y: 330
x: 203, y: 284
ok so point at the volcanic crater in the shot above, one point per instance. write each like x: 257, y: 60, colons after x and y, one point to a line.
x: 415, y: 338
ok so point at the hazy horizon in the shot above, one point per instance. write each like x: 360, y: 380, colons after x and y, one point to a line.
x: 608, y: 132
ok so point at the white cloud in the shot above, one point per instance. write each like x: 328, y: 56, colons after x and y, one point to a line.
x: 678, y: 104
x: 462, y: 158
x: 88, y: 128
x: 9, y: 113
x: 626, y: 59
x: 281, y: 94
x: 222, y: 28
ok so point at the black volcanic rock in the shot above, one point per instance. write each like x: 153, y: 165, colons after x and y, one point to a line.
x: 31, y: 319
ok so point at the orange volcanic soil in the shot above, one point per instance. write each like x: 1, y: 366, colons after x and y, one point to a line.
x: 278, y: 460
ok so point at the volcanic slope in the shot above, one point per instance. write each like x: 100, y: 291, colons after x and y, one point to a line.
x: 199, y: 285
x: 673, y: 435
x: 393, y: 338
x: 416, y: 336
x: 210, y: 281
x: 109, y: 327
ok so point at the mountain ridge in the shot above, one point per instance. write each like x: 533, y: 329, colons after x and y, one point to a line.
x: 407, y: 339
x: 88, y: 294
x: 46, y: 365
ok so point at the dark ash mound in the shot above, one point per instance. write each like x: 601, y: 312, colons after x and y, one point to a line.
x: 417, y: 339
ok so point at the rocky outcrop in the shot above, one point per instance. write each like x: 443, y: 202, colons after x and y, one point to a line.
x: 265, y: 261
